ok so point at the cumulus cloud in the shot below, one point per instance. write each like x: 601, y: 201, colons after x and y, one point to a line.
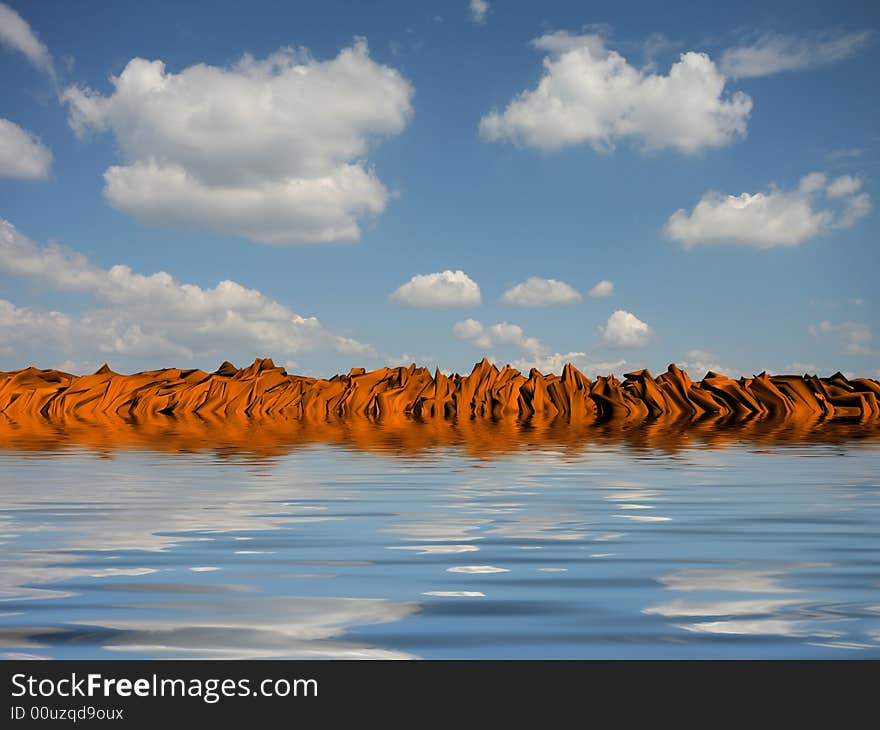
x: 405, y: 360
x: 774, y: 53
x: 316, y: 210
x: 22, y: 155
x: 538, y: 292
x: 533, y: 352
x: 77, y: 367
x: 857, y: 337
x: 441, y: 290
x: 478, y: 10
x: 603, y: 288
x: 775, y: 218
x: 272, y: 150
x: 803, y: 367
x: 624, y: 329
x: 699, y: 362
x: 17, y: 35
x: 857, y: 207
x: 843, y: 187
x: 555, y: 362
x: 503, y: 333
x: 590, y: 94
x: 142, y: 317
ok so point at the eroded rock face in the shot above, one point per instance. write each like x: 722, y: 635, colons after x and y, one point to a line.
x: 263, y: 390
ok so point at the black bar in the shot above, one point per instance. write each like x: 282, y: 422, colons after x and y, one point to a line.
x: 249, y: 691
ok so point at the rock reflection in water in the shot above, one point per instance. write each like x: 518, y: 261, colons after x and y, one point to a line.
x: 491, y: 539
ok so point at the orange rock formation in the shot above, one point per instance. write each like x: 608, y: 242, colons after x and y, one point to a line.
x: 262, y: 411
x: 263, y: 390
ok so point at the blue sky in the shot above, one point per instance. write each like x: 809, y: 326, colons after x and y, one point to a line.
x: 717, y: 165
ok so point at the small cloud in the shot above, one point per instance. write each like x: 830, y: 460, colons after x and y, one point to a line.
x: 775, y: 53
x: 534, y: 353
x: 487, y: 337
x: 405, y: 360
x: 801, y: 368
x: 775, y: 218
x: 857, y: 207
x: 555, y: 362
x: 78, y: 367
x: 656, y: 44
x: 22, y: 155
x: 603, y: 288
x: 624, y: 329
x: 538, y: 292
x: 441, y: 290
x: 699, y: 362
x: 845, y: 153
x: 401, y: 361
x: 843, y: 187
x: 856, y: 336
x: 478, y: 10
x: 17, y: 35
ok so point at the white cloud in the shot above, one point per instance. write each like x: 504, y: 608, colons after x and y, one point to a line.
x: 468, y: 329
x: 603, y: 288
x: 844, y: 153
x: 141, y: 317
x: 16, y: 34
x: 774, y: 53
x: 22, y: 326
x: 478, y: 10
x: 857, y: 207
x: 441, y: 290
x: 593, y: 95
x: 843, y: 187
x: 272, y: 150
x: 775, y: 218
x: 856, y: 336
x: 538, y: 292
x: 405, y: 360
x: 305, y: 210
x: 803, y: 367
x: 624, y: 329
x: 699, y: 362
x: 504, y: 333
x: 534, y: 353
x: 79, y: 367
x: 22, y: 155
x: 554, y: 363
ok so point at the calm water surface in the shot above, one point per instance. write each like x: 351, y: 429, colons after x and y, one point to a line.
x: 608, y: 550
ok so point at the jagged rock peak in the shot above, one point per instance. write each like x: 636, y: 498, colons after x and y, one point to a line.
x: 226, y: 369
